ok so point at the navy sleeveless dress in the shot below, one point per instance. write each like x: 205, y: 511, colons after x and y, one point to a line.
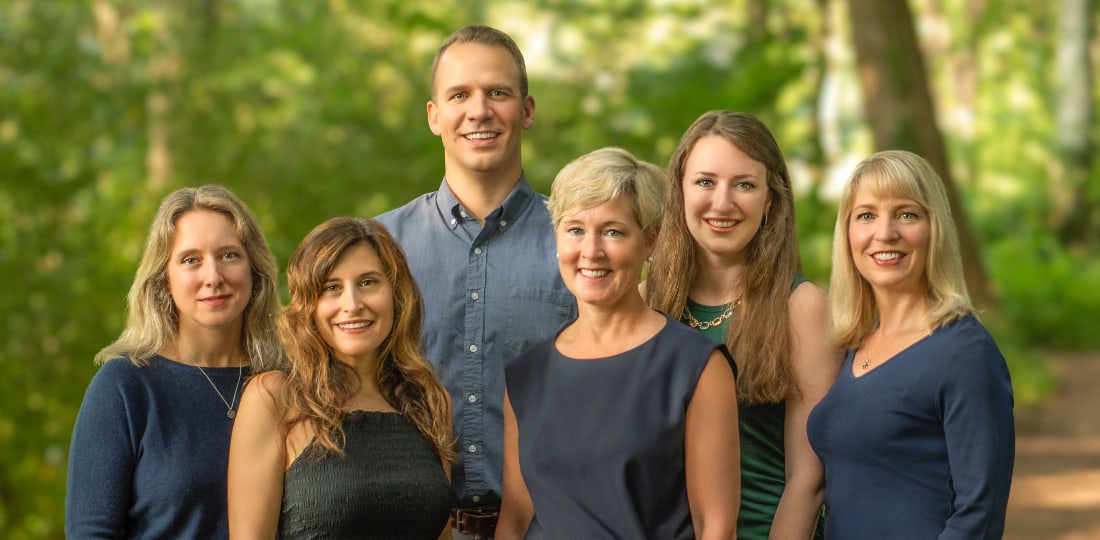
x: 601, y: 441
x: 390, y: 484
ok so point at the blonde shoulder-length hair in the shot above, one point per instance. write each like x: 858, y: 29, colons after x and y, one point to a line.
x: 901, y: 174
x: 151, y: 318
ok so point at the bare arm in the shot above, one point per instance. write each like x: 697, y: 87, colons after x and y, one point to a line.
x: 814, y: 364
x: 516, y: 509
x: 257, y: 461
x: 712, y: 452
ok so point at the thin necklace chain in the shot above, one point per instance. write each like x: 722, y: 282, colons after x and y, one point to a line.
x: 704, y: 326
x: 229, y: 412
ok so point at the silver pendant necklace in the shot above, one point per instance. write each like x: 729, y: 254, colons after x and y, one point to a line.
x: 229, y: 412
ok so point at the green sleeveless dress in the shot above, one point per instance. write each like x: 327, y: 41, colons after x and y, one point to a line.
x: 763, y: 465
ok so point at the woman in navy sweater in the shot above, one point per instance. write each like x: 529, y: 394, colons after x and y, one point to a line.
x: 150, y: 447
x: 916, y: 435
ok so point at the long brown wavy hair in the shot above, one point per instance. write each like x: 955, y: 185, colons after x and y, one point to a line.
x: 317, y: 384
x: 759, y: 331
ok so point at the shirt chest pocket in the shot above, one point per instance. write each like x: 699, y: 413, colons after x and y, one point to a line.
x: 533, y: 314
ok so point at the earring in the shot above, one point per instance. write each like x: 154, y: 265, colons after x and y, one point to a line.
x: 765, y: 224
x: 649, y: 259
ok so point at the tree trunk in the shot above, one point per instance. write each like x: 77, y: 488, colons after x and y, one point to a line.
x: 1075, y: 214
x: 899, y: 108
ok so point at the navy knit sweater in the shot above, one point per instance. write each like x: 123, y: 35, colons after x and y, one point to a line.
x: 150, y: 453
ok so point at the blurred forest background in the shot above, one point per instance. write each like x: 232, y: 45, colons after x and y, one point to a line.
x: 310, y: 109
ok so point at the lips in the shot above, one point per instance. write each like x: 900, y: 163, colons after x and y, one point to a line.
x: 354, y: 326
x: 215, y: 301
x: 722, y: 224
x: 887, y: 257
x: 593, y: 274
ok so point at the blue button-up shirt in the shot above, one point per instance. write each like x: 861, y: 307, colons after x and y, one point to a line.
x: 490, y: 292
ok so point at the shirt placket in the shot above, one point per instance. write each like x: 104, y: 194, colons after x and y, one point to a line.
x: 473, y: 371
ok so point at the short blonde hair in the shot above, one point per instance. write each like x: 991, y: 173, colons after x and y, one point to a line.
x: 602, y: 175
x: 896, y: 173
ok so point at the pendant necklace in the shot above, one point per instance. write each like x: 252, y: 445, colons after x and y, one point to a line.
x: 229, y: 412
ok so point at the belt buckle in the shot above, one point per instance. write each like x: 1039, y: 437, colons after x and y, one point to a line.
x: 478, y: 518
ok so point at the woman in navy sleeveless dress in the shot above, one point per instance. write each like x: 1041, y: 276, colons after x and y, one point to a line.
x: 352, y: 439
x: 618, y: 426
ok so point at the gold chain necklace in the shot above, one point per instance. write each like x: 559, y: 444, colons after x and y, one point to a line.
x: 704, y: 326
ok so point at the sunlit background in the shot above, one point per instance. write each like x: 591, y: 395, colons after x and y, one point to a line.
x: 310, y: 109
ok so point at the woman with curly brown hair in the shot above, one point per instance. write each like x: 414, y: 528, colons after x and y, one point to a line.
x: 353, y: 438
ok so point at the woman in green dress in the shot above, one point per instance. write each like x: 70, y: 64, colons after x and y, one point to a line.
x: 727, y: 263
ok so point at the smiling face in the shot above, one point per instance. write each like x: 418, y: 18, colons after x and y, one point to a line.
x: 601, y: 251
x: 478, y: 110
x: 889, y: 241
x: 354, y: 312
x: 725, y: 196
x: 209, y: 273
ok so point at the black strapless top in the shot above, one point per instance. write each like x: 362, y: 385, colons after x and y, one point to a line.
x: 390, y: 484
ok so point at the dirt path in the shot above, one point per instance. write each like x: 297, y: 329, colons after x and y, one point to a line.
x: 1056, y: 485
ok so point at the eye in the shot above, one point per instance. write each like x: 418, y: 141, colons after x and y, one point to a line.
x: 367, y: 282
x: 907, y: 215
x: 614, y: 233
x: 498, y: 93
x: 230, y: 256
x: 704, y: 182
x: 745, y: 185
x: 330, y: 288
x: 863, y: 216
x: 458, y: 96
x: 574, y: 231
x: 190, y: 260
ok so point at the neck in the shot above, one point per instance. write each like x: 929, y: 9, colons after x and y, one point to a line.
x: 609, y: 324
x: 481, y: 193
x: 206, y: 353
x: 717, y: 282
x: 900, y: 313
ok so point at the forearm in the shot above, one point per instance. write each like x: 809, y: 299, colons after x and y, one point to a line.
x: 798, y: 510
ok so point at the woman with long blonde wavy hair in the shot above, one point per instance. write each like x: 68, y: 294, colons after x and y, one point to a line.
x: 354, y: 436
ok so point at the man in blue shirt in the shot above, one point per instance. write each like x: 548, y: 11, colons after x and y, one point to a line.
x: 482, y: 250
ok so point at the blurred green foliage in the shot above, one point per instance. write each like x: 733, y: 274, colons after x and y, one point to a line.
x: 312, y: 109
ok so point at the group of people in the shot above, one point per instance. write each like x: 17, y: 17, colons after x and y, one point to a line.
x: 635, y: 356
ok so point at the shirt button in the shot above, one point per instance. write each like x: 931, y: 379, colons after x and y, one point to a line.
x: 503, y: 223
x: 474, y: 295
x: 473, y: 348
x: 453, y: 221
x: 472, y: 448
x: 476, y: 498
x: 471, y: 398
x: 477, y: 251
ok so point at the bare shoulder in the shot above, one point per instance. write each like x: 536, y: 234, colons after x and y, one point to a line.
x: 264, y: 388
x: 807, y: 303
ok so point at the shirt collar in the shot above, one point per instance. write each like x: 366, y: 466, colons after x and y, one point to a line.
x: 514, y: 204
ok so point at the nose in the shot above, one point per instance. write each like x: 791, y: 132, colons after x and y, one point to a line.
x: 723, y: 198
x: 592, y: 246
x: 886, y: 230
x: 351, y: 300
x: 478, y: 107
x: 213, y: 275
